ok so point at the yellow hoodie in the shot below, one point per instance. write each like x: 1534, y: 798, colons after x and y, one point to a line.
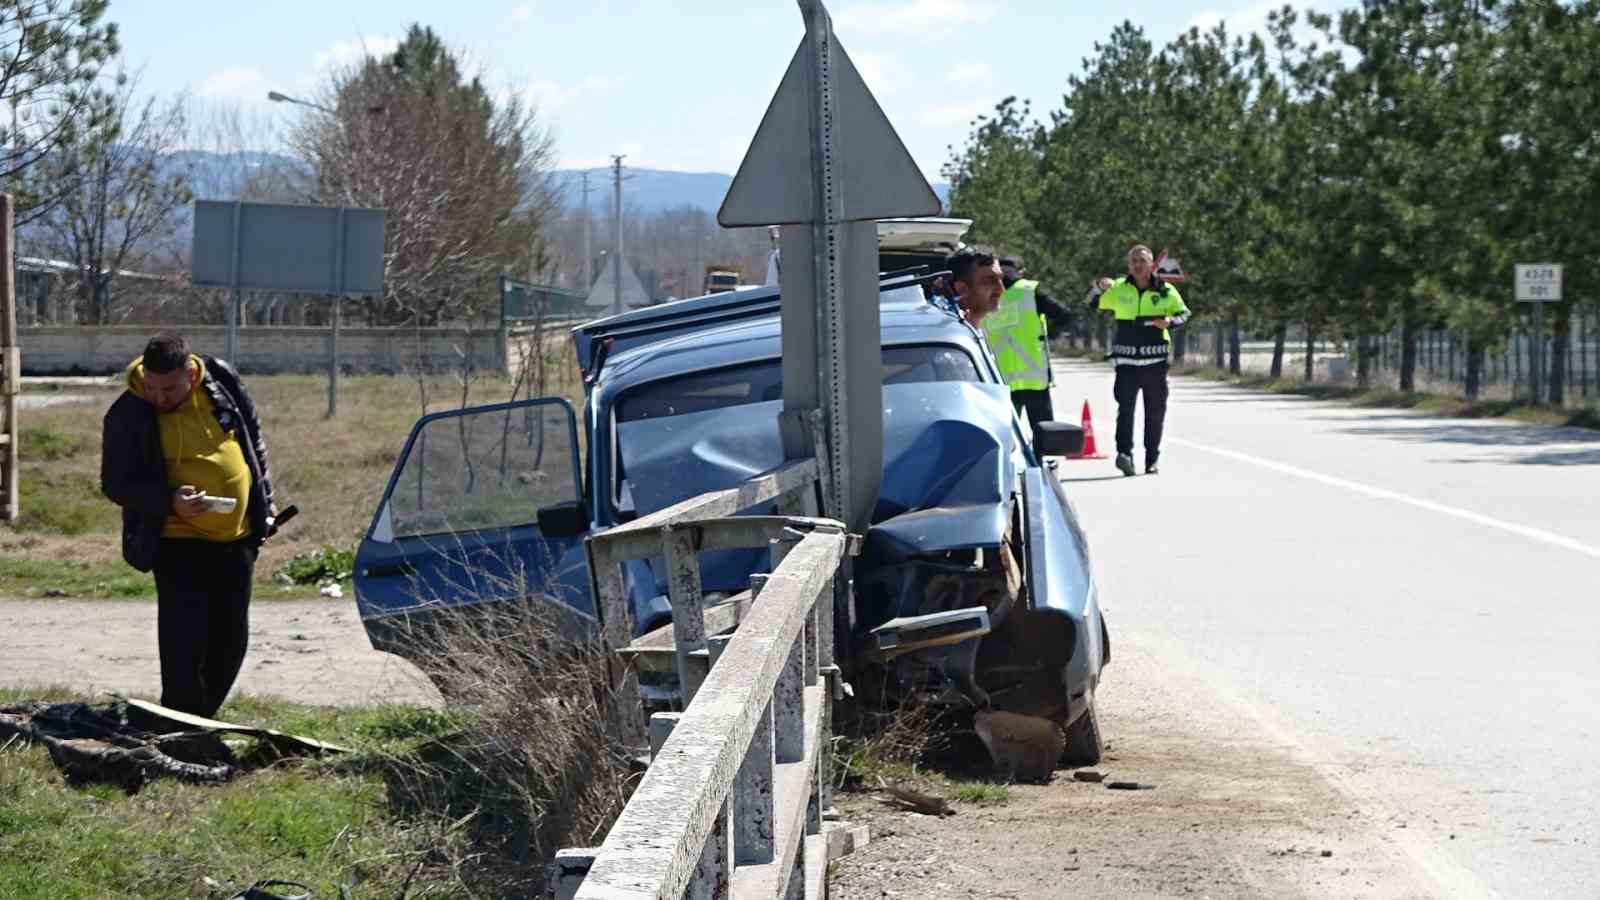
x: 200, y: 452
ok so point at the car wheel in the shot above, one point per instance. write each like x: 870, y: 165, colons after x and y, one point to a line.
x: 1082, y: 741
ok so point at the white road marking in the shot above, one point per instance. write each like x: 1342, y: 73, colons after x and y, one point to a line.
x: 1537, y: 534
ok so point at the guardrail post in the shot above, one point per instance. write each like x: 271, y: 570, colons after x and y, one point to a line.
x: 680, y: 546
x: 753, y: 809
x: 565, y: 875
x: 714, y: 873
x: 616, y: 630
x: 661, y: 725
x: 788, y: 707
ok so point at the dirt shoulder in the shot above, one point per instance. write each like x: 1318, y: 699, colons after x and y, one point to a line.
x: 1231, y: 813
x: 311, y: 651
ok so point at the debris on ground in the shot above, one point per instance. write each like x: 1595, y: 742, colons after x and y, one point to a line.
x: 1089, y: 775
x: 129, y: 743
x: 1129, y: 786
x: 927, y: 804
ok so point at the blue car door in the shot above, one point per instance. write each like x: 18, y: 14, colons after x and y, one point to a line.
x: 484, y: 505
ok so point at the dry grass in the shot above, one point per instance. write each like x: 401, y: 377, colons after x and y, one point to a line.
x: 536, y: 763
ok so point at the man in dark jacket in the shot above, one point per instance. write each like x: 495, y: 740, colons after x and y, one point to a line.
x: 182, y: 454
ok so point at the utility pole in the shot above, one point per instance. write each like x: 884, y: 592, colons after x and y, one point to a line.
x: 616, y: 236
x: 10, y: 366
x: 588, y: 252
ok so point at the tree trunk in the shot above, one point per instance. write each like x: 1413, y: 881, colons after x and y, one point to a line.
x: 1220, y: 343
x: 1408, y: 346
x: 1311, y: 354
x: 1475, y: 355
x: 1561, y: 337
x: 1278, y: 340
x: 1364, y: 349
x: 1233, y: 344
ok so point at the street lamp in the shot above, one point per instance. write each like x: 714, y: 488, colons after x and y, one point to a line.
x: 276, y: 97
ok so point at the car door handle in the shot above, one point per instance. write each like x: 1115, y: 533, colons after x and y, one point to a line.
x: 389, y: 570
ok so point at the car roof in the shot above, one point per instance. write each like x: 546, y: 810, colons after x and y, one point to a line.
x: 905, y: 318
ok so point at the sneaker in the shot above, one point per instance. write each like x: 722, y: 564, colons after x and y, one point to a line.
x: 1150, y: 469
x: 1125, y: 463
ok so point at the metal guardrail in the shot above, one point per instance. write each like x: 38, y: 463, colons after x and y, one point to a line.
x: 731, y: 805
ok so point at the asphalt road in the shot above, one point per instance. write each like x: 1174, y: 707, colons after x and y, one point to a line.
x: 1410, y: 603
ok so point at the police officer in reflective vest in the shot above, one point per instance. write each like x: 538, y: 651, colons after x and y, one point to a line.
x: 1145, y: 308
x: 1018, y: 338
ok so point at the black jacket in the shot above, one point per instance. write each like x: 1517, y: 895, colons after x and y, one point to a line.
x: 133, y: 471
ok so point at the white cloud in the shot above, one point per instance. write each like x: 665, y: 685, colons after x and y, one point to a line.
x: 237, y: 81
x: 921, y: 19
x: 953, y: 116
x: 884, y: 73
x: 522, y: 13
x: 1251, y: 19
x: 550, y: 96
x: 345, y: 53
x: 970, y: 73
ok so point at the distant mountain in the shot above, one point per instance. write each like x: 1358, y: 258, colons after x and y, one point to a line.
x: 656, y: 190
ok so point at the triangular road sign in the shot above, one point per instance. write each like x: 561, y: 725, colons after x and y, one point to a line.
x: 875, y: 174
x: 603, y: 294
x: 1170, y: 269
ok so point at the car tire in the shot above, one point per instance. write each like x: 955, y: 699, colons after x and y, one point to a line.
x: 1083, y: 745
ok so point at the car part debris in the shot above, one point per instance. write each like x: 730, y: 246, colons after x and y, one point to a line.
x: 927, y: 804
x: 131, y: 742
x: 941, y: 629
x: 274, y: 890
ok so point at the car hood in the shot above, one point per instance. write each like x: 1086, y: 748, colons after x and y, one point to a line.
x: 949, y: 462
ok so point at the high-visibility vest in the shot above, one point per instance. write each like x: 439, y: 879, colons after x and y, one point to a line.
x: 1016, y: 337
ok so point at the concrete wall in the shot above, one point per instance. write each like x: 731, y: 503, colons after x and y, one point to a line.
x: 53, y: 350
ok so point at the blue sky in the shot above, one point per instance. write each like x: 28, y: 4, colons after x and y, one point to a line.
x: 671, y: 85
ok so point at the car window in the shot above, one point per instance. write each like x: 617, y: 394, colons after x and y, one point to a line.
x: 762, y: 382
x: 480, y: 469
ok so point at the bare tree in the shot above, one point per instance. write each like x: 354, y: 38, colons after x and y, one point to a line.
x: 117, y: 197
x: 230, y: 151
x: 461, y: 173
x: 51, y: 56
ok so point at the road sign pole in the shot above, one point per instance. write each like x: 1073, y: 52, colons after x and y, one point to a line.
x: 1538, y: 355
x: 232, y: 351
x: 827, y: 179
x: 334, y: 314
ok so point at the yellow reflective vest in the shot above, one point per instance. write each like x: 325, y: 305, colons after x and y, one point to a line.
x: 1016, y: 338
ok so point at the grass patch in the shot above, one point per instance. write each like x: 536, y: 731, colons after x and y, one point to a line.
x: 1390, y: 398
x: 913, y: 747
x: 326, y: 823
x: 22, y: 577
x: 64, y: 501
x: 979, y: 793
x: 46, y: 443
x: 319, y: 565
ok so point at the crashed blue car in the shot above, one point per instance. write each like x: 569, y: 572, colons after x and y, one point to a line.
x: 974, y: 582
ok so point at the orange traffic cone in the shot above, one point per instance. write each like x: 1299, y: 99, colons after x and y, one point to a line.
x: 1090, y: 451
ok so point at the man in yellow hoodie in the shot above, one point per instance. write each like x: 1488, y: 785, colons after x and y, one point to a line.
x: 182, y: 454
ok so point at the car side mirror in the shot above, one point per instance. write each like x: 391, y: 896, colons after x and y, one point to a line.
x: 566, y: 519
x: 1057, y: 439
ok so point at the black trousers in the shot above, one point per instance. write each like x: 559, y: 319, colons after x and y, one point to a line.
x: 1036, y: 404
x: 202, y: 619
x: 1131, y: 380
